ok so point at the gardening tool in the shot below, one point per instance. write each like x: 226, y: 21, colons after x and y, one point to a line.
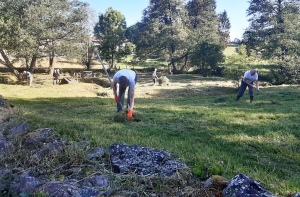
x: 111, y: 84
x: 273, y: 102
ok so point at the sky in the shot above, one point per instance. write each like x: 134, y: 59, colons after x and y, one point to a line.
x: 133, y: 11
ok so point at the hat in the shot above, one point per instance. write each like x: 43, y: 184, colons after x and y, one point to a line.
x: 123, y: 81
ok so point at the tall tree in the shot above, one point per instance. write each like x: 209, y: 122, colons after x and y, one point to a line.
x: 111, y: 29
x: 206, y: 57
x: 162, y: 31
x: 202, y: 25
x: 274, y: 31
x: 274, y: 26
x: 202, y: 21
x: 33, y: 29
x: 224, y: 29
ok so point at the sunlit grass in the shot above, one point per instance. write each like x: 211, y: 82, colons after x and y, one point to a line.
x: 260, y: 139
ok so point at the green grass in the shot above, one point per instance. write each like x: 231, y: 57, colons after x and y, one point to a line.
x: 261, y: 140
x: 230, y: 50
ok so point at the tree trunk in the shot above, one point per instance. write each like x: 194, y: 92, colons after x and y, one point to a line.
x: 32, y: 64
x: 9, y: 65
x: 51, y: 62
x: 185, y: 63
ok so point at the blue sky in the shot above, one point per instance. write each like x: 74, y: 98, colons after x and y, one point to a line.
x: 132, y: 10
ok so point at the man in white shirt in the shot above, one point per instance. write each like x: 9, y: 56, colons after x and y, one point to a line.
x: 29, y: 77
x: 154, y: 76
x: 125, y: 78
x: 250, y: 77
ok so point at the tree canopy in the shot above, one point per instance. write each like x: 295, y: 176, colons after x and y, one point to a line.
x: 33, y: 29
x: 111, y: 29
x: 274, y: 32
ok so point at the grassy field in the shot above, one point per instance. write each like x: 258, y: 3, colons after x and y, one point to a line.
x: 194, y: 118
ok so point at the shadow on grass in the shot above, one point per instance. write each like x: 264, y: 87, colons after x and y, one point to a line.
x: 256, y: 139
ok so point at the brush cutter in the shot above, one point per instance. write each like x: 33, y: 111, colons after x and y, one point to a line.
x: 273, y: 102
x: 111, y: 84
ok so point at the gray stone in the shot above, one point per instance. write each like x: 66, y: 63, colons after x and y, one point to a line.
x: 100, y: 181
x: 20, y: 128
x: 143, y: 161
x: 46, y: 132
x: 244, y: 186
x: 89, y: 192
x: 38, y: 138
x: 29, y: 184
x: 97, y: 153
x: 4, y: 144
x: 2, y: 136
x: 50, y: 148
x: 59, y: 189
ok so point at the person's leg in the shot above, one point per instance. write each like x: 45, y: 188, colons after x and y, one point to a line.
x: 30, y: 81
x: 121, y: 98
x: 128, y: 94
x: 250, y: 88
x: 241, y: 90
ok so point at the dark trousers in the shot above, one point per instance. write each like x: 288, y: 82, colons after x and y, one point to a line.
x: 243, y: 87
x: 122, y: 96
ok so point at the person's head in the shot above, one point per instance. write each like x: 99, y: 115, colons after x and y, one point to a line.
x: 252, y: 72
x: 123, y: 81
x: 155, y: 69
x: 24, y: 71
x: 54, y: 70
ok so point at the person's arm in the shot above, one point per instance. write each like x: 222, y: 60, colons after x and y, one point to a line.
x: 131, y: 99
x: 114, y: 86
x: 257, y: 84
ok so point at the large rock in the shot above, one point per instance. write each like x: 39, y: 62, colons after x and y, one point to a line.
x: 18, y: 129
x: 39, y: 138
x: 143, y: 161
x: 29, y: 184
x: 97, y: 153
x: 244, y: 186
x: 50, y: 148
x: 60, y: 189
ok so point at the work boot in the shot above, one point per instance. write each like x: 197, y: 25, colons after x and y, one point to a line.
x: 251, y: 99
x: 237, y: 98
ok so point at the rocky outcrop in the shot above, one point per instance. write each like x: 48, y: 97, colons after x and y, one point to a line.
x: 143, y: 161
x: 244, y: 186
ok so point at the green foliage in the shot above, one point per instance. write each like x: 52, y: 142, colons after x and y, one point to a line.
x: 206, y: 57
x: 204, y: 171
x: 236, y: 65
x: 274, y: 33
x: 31, y: 30
x: 110, y: 29
x: 39, y: 194
x: 224, y: 29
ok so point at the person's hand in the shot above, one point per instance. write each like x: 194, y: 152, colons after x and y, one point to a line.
x: 116, y: 98
x: 129, y: 115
